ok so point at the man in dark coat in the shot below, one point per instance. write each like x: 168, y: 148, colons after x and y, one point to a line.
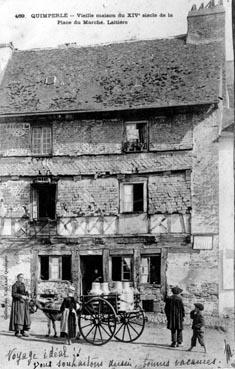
x: 20, y: 317
x: 198, y: 326
x: 174, y: 310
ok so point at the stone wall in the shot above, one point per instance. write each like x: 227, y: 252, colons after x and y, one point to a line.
x: 14, y: 198
x: 88, y: 197
x: 170, y: 193
x: 197, y: 274
x: 205, y: 183
x: 13, y: 262
x: 15, y: 139
x: 171, y: 133
x: 206, y: 25
x: 87, y: 137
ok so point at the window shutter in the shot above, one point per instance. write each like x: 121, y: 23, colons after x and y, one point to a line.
x: 34, y: 203
x: 127, y: 198
x: 54, y: 267
x: 144, y: 270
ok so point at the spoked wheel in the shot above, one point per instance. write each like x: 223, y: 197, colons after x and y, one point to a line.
x: 130, y: 325
x: 97, y: 322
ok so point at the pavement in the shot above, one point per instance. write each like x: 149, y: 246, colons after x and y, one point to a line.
x: 151, y: 350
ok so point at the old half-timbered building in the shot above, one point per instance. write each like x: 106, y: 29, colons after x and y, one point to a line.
x: 109, y: 160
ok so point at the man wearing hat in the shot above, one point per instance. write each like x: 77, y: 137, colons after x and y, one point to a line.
x: 174, y: 310
x: 198, y: 324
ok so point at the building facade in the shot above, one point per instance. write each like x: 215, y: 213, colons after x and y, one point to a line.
x: 110, y: 159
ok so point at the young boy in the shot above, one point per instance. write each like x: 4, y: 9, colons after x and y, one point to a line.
x: 198, y: 324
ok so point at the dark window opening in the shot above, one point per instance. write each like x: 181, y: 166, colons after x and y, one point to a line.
x: 44, y: 270
x: 138, y: 197
x: 55, y: 267
x: 151, y: 269
x: 147, y: 305
x: 66, y: 267
x: 91, y: 271
x: 46, y: 201
x: 136, y: 137
x: 121, y: 268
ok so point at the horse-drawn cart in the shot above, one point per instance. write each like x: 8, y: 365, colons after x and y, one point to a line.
x: 100, y: 319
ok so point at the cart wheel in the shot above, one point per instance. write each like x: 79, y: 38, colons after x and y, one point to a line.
x: 130, y: 325
x: 97, y: 321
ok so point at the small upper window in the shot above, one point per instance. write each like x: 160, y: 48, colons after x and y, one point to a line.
x: 133, y: 198
x: 136, y: 137
x: 41, y: 140
x: 51, y: 80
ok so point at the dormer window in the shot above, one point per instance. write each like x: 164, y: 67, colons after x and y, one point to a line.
x: 136, y: 136
x: 51, y: 80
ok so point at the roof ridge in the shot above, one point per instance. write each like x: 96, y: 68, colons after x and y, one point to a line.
x: 74, y: 45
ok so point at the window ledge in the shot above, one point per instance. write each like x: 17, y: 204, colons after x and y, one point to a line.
x: 54, y: 280
x: 154, y: 285
x: 133, y: 212
x: 43, y: 220
x: 42, y: 155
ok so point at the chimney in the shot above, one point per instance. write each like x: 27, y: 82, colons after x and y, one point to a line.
x: 206, y: 24
x: 5, y: 55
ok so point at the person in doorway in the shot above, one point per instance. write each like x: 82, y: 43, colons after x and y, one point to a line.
x: 20, y: 317
x: 198, y: 326
x: 96, y: 277
x: 69, y: 320
x: 174, y: 310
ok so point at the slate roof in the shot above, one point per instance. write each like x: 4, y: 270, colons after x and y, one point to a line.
x: 152, y: 73
x: 131, y: 163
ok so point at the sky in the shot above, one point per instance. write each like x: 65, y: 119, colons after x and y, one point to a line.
x: 28, y: 32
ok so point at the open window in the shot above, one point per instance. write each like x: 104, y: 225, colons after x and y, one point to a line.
x: 151, y: 269
x: 133, y: 197
x: 55, y: 267
x: 44, y: 201
x: 41, y: 140
x: 122, y: 267
x: 136, y: 136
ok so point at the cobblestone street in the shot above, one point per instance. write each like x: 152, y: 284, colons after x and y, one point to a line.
x: 151, y: 350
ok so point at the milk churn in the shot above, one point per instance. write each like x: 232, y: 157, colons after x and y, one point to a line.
x: 95, y: 289
x: 117, y: 288
x: 127, y: 296
x: 105, y: 288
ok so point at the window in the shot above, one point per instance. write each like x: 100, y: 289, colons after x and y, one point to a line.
x: 151, y: 269
x: 121, y: 268
x: 44, y: 201
x: 133, y: 197
x: 136, y: 137
x: 41, y: 140
x: 55, y: 267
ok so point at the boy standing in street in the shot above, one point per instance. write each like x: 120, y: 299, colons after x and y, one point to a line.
x: 198, y: 324
x: 174, y: 310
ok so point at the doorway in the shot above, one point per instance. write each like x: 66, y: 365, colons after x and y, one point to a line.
x: 91, y: 270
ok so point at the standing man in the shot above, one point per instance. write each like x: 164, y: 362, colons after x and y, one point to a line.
x: 174, y: 310
x: 20, y: 317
